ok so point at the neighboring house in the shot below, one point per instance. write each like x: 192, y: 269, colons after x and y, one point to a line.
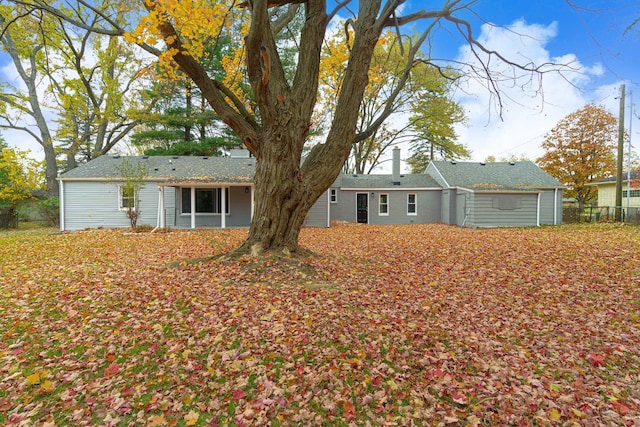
x: 191, y: 192
x: 464, y: 193
x: 607, y: 191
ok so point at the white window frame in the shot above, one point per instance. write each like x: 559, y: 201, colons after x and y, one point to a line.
x: 386, y: 204
x: 213, y: 189
x: 333, y: 195
x: 121, y: 205
x: 415, y: 204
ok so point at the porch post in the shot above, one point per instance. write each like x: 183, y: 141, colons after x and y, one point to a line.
x: 252, y: 197
x: 193, y: 207
x: 223, y: 207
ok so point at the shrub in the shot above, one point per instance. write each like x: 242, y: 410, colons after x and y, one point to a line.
x: 50, y: 208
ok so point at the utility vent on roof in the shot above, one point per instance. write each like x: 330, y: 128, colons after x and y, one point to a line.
x: 155, y: 169
x: 173, y: 169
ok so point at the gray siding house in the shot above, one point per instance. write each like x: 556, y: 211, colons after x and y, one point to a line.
x: 497, y: 194
x: 178, y: 192
x: 463, y: 193
x: 192, y: 192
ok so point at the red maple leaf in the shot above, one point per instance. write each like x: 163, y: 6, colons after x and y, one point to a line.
x: 237, y: 395
x: 112, y: 369
x: 595, y: 359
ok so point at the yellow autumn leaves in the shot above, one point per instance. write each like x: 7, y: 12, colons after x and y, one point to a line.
x: 199, y: 25
x: 40, y: 377
x: 159, y: 420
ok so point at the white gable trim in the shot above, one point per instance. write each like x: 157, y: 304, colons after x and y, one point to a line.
x: 440, y: 174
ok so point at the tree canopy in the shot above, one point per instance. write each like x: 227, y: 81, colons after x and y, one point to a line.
x: 581, y: 149
x: 19, y: 175
x: 76, y: 86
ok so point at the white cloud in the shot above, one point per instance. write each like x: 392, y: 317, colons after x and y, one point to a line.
x: 529, y: 104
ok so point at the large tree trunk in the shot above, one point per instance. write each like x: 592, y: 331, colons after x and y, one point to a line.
x: 285, y: 190
x: 51, y: 170
x: 280, y: 207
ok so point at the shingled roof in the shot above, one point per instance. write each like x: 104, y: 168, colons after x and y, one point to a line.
x: 634, y: 175
x: 170, y: 169
x: 385, y: 181
x: 495, y: 176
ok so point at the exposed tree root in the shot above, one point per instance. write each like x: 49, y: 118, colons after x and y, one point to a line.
x: 267, y: 267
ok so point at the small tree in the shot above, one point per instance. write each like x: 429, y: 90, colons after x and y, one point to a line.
x: 133, y: 175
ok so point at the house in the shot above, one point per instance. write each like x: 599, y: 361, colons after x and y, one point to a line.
x: 463, y: 193
x: 192, y: 192
x: 178, y: 192
x: 607, y: 191
x: 497, y: 194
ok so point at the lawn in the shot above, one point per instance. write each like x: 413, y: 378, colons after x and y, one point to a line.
x: 401, y: 325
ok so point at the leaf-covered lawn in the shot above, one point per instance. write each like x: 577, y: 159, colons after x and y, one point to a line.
x: 420, y: 324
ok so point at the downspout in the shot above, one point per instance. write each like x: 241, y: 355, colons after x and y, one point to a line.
x: 555, y: 206
x: 160, y: 209
x: 538, y: 211
x: 61, y: 189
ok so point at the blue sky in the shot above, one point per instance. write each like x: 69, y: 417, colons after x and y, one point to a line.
x: 590, y: 35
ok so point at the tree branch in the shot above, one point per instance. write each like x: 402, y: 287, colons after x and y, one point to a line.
x: 284, y: 19
x: 237, y: 119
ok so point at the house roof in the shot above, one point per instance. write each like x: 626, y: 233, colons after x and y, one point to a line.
x: 496, y: 176
x: 170, y: 169
x: 346, y: 181
x: 634, y: 175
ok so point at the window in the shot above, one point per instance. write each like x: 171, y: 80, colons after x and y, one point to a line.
x: 411, y: 204
x: 633, y: 193
x: 208, y: 200
x: 384, y: 204
x: 333, y: 195
x: 127, y: 197
x: 507, y: 202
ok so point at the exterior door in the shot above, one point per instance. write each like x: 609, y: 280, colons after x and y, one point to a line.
x: 362, y: 207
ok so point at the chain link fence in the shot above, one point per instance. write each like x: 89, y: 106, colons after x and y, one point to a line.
x: 574, y: 214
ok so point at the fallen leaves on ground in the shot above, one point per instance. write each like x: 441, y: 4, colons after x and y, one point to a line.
x: 416, y: 324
